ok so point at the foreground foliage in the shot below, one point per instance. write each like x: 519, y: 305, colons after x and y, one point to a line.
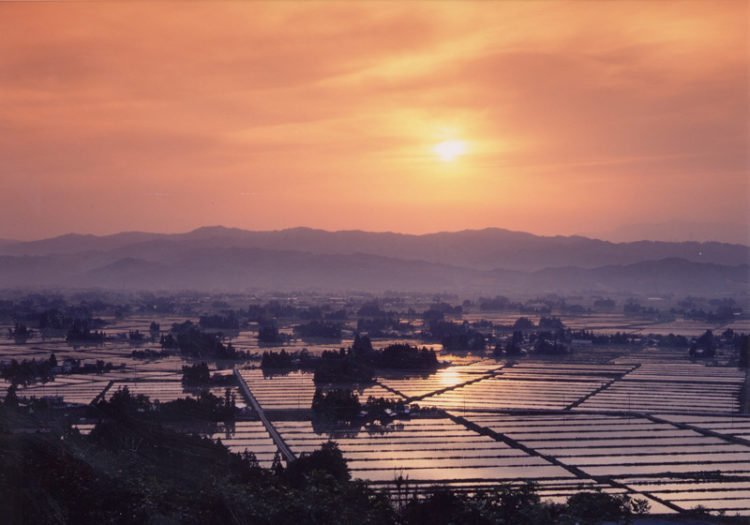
x: 131, y: 469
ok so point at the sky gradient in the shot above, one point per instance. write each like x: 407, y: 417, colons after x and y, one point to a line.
x: 575, y: 117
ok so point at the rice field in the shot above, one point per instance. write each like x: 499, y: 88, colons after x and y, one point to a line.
x: 648, y: 422
x: 625, y: 449
x: 677, y: 386
x: 295, y: 390
x: 425, y: 450
x: 73, y: 389
x: 525, y: 387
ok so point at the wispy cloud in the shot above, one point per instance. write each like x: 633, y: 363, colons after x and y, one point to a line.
x: 325, y: 114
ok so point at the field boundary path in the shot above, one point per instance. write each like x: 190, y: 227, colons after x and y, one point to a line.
x: 419, y: 397
x: 698, y: 429
x: 577, y: 472
x: 286, y: 452
x: 101, y: 394
x: 605, y: 386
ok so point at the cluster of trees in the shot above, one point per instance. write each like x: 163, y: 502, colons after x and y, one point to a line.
x: 77, y: 322
x: 506, y: 505
x: 373, y: 309
x: 713, y: 311
x: 199, y: 374
x: 381, y: 326
x: 513, y: 346
x: 439, y: 310
x: 704, y: 346
x: 455, y: 336
x: 136, y: 337
x: 671, y: 341
x: 54, y: 319
x: 318, y: 313
x: 343, y: 367
x: 476, y: 336
x: 20, y: 333
x: 268, y: 333
x: 471, y: 337
x: 29, y: 371
x: 84, y: 331
x: 405, y: 357
x: 635, y: 309
x: 371, y: 318
x: 557, y: 341
x: 227, y: 321
x: 193, y: 342
x: 123, y: 405
x: 361, y: 359
x: 605, y: 304
x: 284, y: 360
x: 318, y: 329
x: 742, y: 347
x: 359, y: 362
x: 523, y: 323
x: 707, y: 344
x: 722, y: 314
x: 356, y: 364
x: 338, y: 404
x: 547, y: 343
x: 545, y: 323
x: 618, y: 338
x: 543, y: 305
x: 552, y: 324
x: 144, y: 472
x: 274, y: 309
x: 496, y: 304
x: 343, y: 405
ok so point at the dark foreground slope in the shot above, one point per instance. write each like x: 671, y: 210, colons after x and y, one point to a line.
x: 132, y: 470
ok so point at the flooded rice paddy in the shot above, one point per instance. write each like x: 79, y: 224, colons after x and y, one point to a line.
x: 648, y: 422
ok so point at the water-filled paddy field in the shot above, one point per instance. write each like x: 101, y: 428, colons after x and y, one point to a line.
x: 645, y: 421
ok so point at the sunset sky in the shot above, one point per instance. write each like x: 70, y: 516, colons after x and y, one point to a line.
x: 547, y: 117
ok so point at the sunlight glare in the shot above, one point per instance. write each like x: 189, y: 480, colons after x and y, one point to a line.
x: 450, y: 149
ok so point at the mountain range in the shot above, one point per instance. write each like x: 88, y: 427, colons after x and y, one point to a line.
x: 479, y: 261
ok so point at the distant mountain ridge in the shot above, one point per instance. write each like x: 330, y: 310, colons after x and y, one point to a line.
x: 476, y: 249
x: 491, y: 261
x: 679, y: 231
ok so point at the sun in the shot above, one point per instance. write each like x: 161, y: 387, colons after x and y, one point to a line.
x: 450, y: 149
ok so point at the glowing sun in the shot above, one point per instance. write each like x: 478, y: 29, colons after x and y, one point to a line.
x: 450, y: 149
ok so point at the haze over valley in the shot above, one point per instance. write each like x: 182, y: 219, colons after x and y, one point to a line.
x: 491, y: 260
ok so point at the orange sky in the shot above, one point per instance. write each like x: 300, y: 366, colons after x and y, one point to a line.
x: 576, y: 117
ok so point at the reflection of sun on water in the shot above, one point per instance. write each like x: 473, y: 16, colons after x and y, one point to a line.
x: 450, y: 149
x: 448, y: 377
